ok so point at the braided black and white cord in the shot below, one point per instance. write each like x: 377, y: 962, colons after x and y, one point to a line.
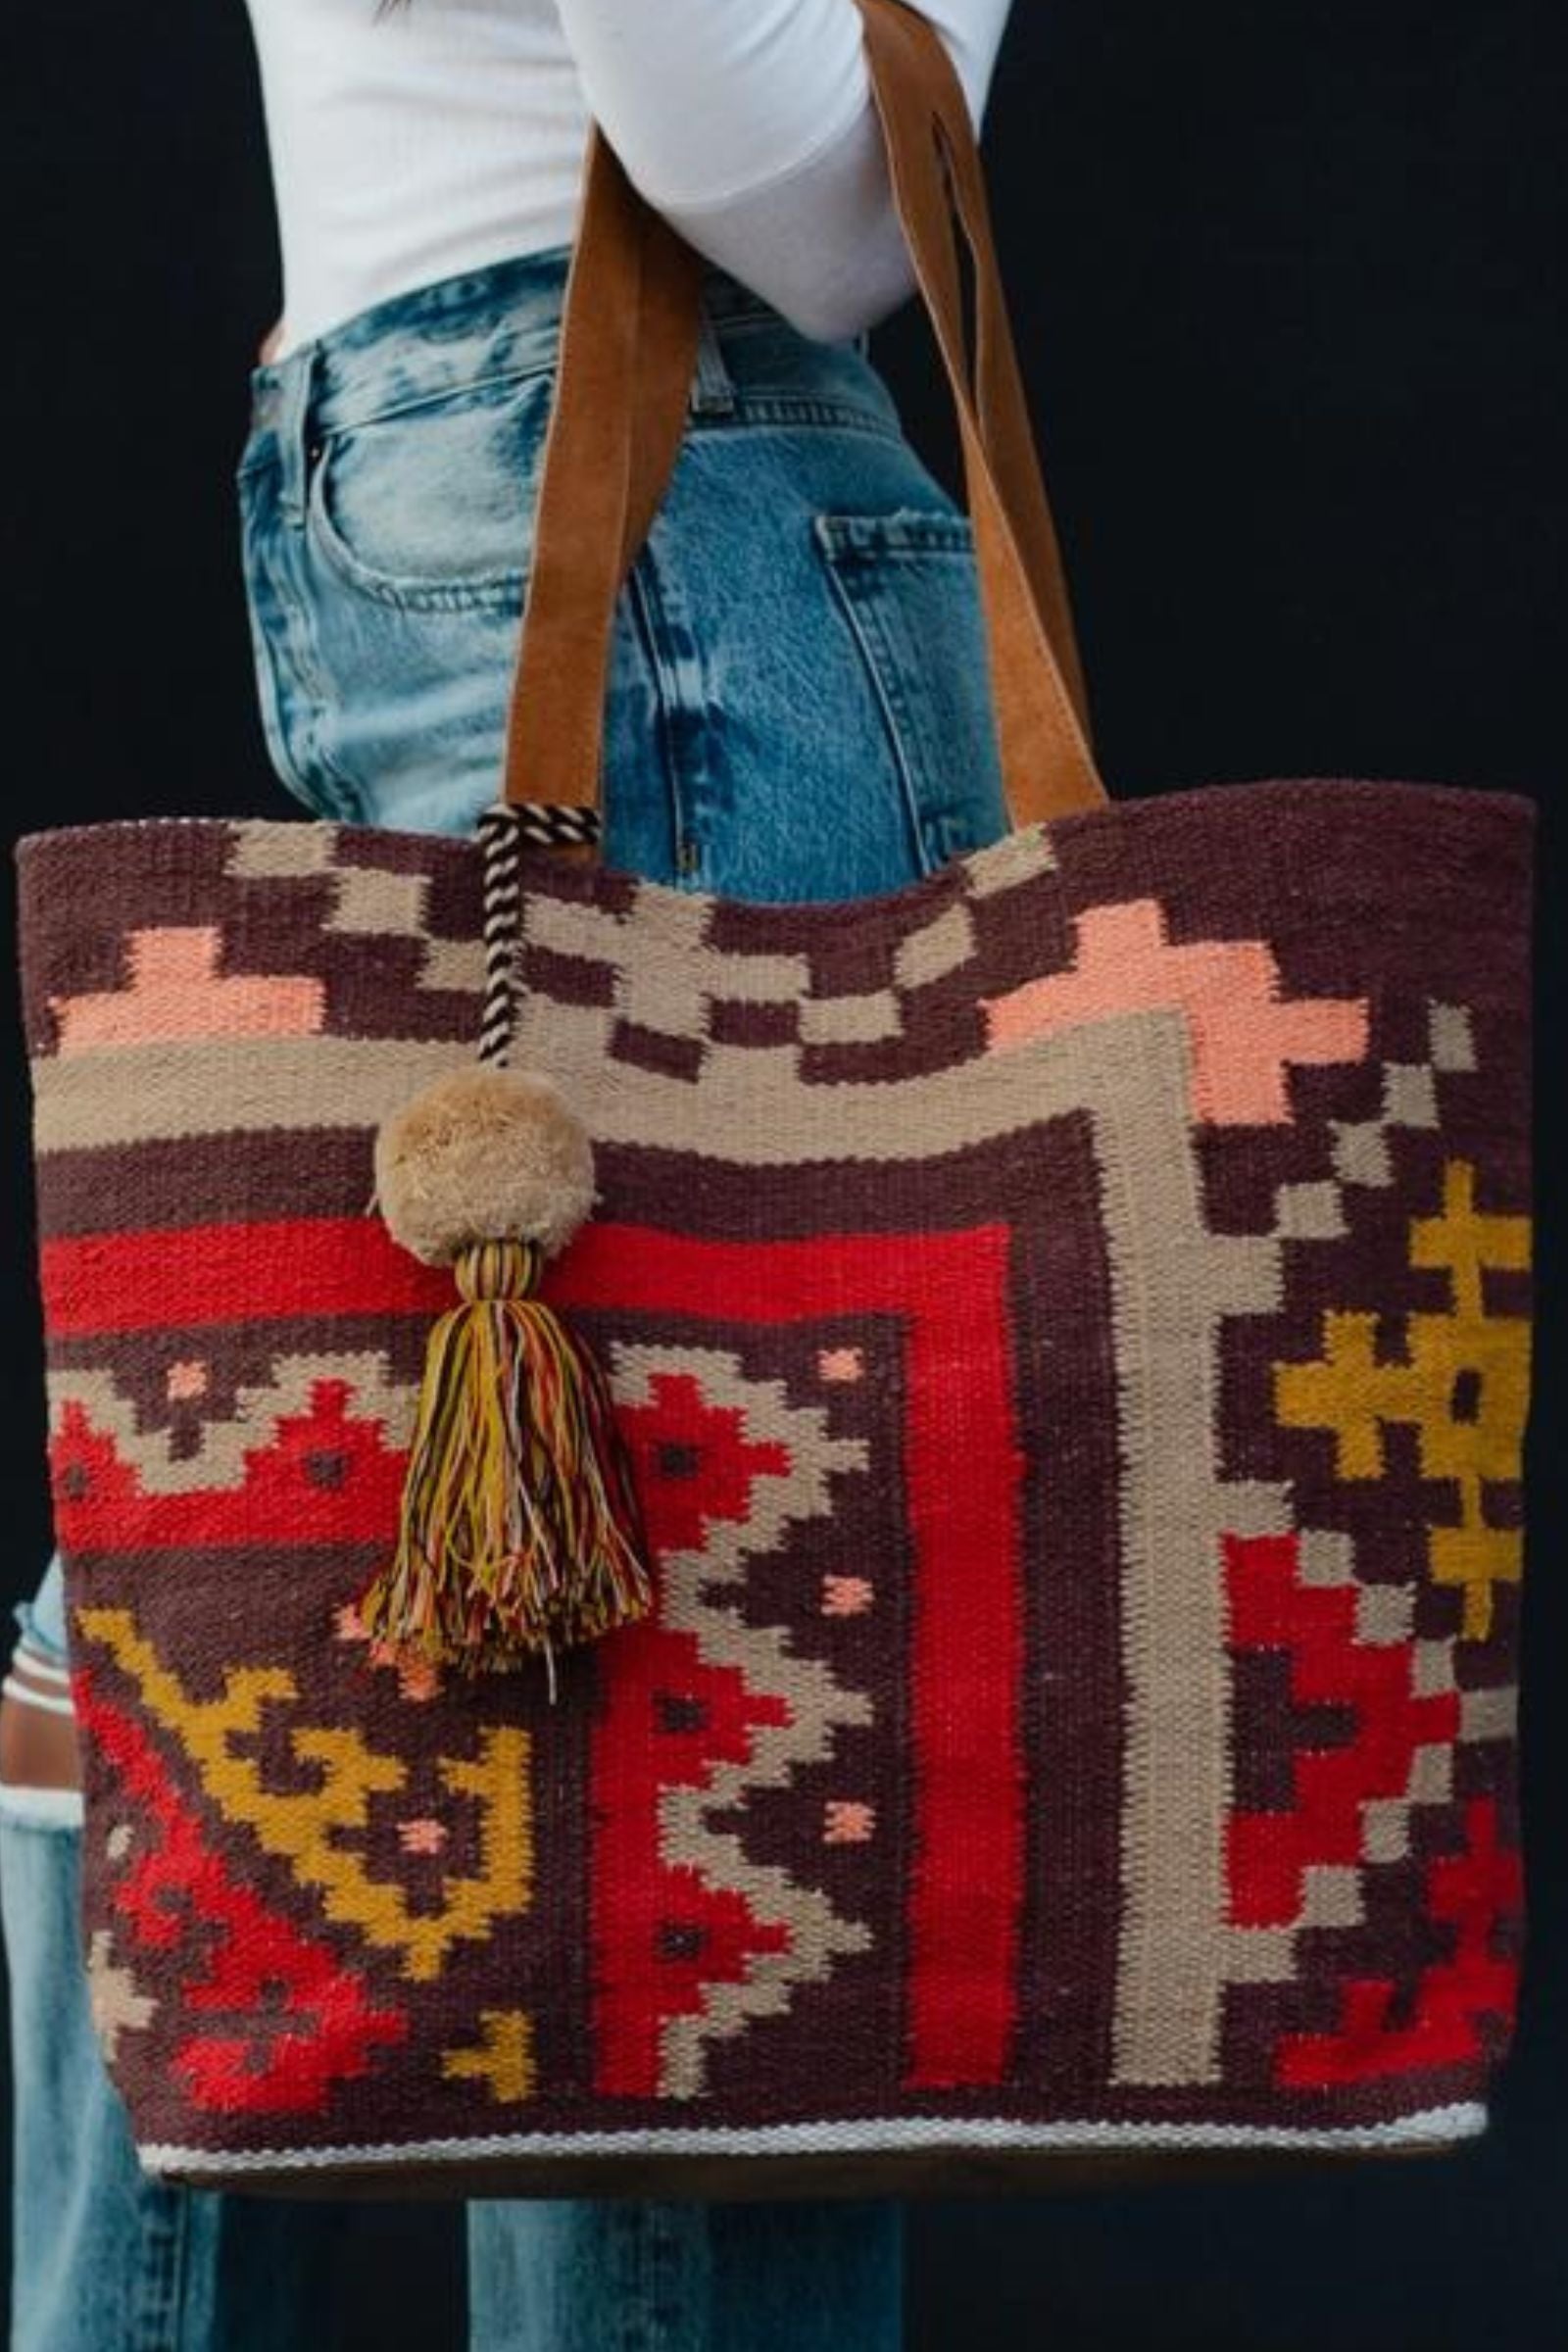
x: 505, y: 830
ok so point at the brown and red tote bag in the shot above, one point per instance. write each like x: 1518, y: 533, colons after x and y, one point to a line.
x: 1067, y: 1327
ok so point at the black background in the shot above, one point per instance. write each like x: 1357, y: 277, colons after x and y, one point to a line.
x: 1288, y: 284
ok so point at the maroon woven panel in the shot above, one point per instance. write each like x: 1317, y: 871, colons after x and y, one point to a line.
x: 1070, y: 1322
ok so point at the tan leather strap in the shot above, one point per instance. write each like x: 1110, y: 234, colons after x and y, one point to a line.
x: 627, y: 356
x: 631, y: 319
x: 920, y: 101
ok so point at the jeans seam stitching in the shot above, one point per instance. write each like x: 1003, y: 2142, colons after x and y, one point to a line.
x: 158, y: 2317
x: 881, y: 669
x: 688, y: 786
x: 762, y: 409
x: 257, y: 461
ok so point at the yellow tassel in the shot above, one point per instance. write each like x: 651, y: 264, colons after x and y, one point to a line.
x: 520, y: 1528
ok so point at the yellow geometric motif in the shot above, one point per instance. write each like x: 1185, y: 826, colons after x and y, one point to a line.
x: 504, y: 2058
x: 1464, y: 1385
x: 304, y: 1826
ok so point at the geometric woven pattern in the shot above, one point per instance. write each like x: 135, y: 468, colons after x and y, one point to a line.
x: 1070, y: 1322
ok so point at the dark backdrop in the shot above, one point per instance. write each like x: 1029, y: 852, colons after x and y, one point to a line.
x: 1288, y: 284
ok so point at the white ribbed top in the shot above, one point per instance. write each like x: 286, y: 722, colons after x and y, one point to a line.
x: 449, y: 133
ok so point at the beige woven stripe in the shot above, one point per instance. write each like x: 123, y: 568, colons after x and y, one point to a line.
x: 936, y: 948
x: 1489, y: 1714
x: 166, y: 1093
x: 1012, y: 859
x: 851, y: 1020
x: 271, y: 852
x: 379, y: 903
x: 1169, y: 1275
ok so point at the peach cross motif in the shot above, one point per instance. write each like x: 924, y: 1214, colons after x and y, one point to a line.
x: 178, y: 993
x: 1243, y: 1032
x: 846, y: 1821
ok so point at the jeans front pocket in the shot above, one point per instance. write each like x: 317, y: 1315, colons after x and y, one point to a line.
x: 907, y: 586
x: 429, y: 506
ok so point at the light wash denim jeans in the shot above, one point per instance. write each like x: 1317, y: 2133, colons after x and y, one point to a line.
x: 798, y: 709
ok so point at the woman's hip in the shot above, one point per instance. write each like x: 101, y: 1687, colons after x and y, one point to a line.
x: 799, y: 704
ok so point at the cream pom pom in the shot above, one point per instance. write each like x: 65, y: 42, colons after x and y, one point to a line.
x: 483, y: 1156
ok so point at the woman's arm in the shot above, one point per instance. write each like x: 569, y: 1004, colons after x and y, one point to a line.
x: 748, y: 124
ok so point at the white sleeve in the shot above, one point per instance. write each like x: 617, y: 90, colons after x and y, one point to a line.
x: 749, y: 124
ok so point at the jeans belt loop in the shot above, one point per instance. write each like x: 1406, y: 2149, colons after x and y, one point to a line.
x: 712, y: 386
x: 296, y: 423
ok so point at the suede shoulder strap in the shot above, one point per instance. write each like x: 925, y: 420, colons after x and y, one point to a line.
x: 627, y: 356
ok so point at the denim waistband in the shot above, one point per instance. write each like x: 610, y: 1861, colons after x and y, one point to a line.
x: 504, y: 319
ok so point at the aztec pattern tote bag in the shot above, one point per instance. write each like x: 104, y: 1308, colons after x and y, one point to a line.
x: 1066, y: 1324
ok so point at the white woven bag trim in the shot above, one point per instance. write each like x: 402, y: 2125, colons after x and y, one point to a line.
x: 924, y: 2133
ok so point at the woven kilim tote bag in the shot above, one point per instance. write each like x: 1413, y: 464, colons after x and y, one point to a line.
x: 1042, y: 1685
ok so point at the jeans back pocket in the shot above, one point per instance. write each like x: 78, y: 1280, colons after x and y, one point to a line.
x: 430, y: 506
x: 907, y: 586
